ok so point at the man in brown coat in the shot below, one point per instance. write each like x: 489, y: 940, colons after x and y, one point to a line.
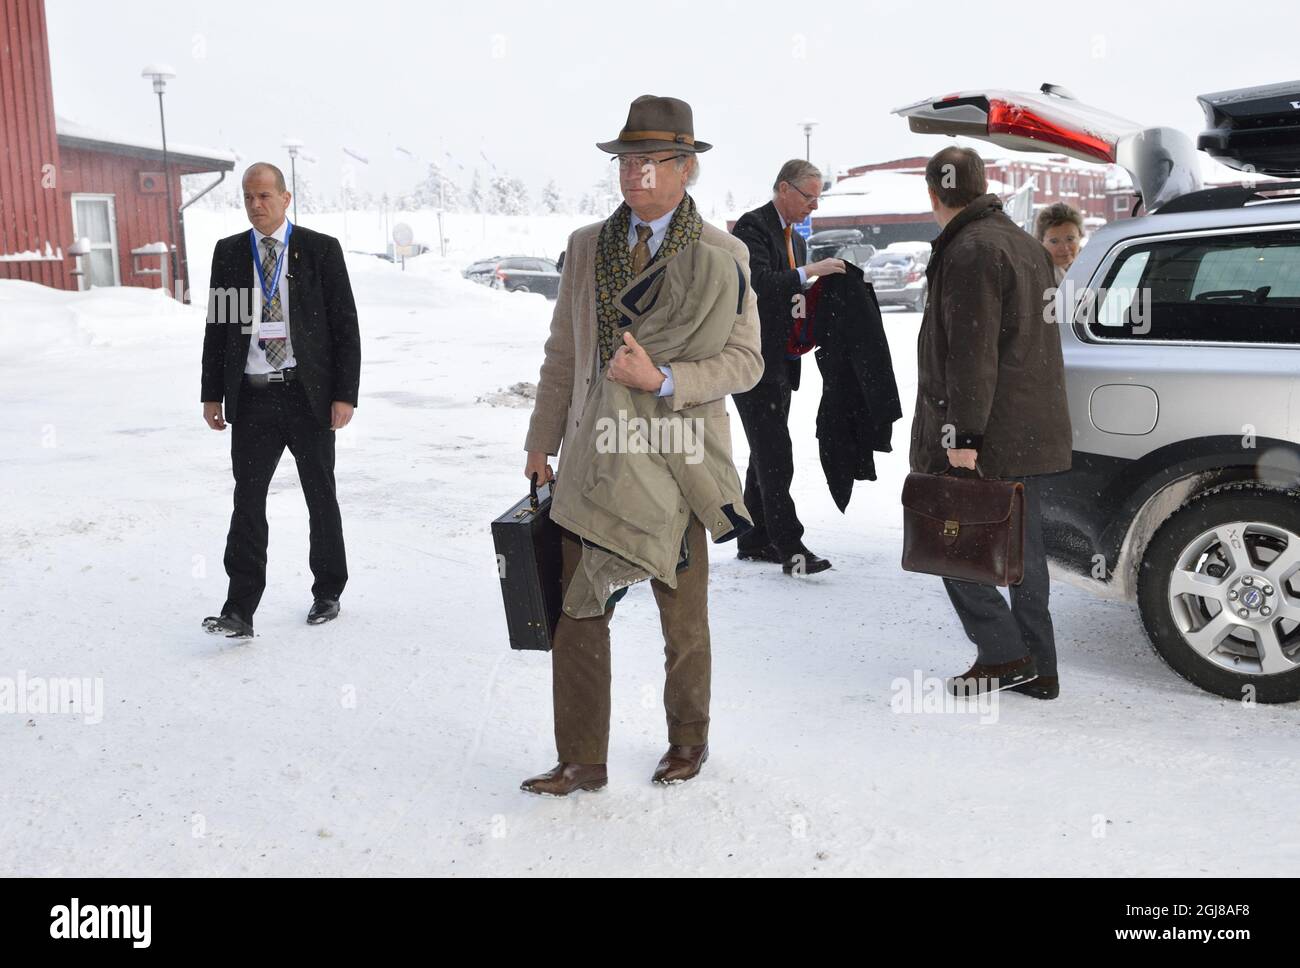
x: 656, y: 153
x: 991, y: 397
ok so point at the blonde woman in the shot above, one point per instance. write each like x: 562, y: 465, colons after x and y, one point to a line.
x: 1060, y: 229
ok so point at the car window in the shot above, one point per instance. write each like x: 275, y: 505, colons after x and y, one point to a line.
x: 888, y: 259
x: 1238, y: 288
x: 1120, y: 294
x: 1249, y: 268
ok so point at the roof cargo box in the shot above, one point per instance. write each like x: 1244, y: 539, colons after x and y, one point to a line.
x: 1255, y: 129
x: 842, y: 236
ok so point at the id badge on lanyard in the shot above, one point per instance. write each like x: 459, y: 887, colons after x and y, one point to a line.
x: 275, y: 328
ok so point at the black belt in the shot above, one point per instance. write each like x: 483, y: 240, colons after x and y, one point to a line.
x: 261, y: 381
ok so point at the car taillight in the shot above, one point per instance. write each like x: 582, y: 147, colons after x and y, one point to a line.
x: 914, y: 275
x: 1013, y: 119
x: 501, y: 274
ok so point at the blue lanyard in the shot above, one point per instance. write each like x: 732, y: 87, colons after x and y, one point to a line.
x: 268, y: 293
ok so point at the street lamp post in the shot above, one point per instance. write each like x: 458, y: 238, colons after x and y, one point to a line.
x: 807, y: 126
x: 293, y: 146
x: 160, y: 74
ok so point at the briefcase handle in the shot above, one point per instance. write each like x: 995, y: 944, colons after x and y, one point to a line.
x: 533, y: 502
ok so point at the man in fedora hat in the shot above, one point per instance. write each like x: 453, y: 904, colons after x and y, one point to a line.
x: 657, y: 158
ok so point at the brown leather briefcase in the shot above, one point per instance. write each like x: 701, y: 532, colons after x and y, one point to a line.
x: 968, y: 528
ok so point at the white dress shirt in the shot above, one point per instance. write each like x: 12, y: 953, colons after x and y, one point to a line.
x: 257, y: 362
x: 658, y: 229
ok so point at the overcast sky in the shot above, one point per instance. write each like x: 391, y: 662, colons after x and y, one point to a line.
x: 531, y: 86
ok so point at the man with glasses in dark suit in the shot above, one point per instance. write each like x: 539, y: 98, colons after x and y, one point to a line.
x: 777, y: 257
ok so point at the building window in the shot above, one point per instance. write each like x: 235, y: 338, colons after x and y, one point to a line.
x: 93, y: 218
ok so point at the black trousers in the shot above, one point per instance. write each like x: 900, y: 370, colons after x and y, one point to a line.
x: 269, y: 420
x: 1003, y: 634
x: 765, y: 413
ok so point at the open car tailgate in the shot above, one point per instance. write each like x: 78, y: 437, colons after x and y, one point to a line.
x: 1161, y: 161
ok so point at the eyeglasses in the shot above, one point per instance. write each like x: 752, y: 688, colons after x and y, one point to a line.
x: 806, y: 196
x: 639, y: 162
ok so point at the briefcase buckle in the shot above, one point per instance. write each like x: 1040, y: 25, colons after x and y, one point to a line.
x: 950, y: 529
x: 524, y: 512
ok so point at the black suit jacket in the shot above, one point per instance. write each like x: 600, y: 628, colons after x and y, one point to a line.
x: 775, y: 284
x: 859, y: 394
x: 323, y: 328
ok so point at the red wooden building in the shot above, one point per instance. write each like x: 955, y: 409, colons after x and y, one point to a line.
x: 61, y: 181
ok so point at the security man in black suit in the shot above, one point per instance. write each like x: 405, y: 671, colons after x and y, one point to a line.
x: 777, y: 257
x: 282, y: 351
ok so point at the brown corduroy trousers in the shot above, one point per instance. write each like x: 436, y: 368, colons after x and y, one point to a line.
x: 580, y: 660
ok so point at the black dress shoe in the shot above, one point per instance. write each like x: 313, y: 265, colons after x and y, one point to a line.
x: 228, y: 624
x: 804, y: 562
x: 768, y: 554
x: 322, y: 610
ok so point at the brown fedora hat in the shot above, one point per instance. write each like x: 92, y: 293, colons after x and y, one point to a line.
x: 656, y: 124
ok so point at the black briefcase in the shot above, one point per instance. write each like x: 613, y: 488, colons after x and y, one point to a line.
x: 528, y: 561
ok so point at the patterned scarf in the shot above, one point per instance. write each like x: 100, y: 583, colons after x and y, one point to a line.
x: 614, y: 266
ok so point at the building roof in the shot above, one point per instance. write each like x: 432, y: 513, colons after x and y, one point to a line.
x: 74, y: 134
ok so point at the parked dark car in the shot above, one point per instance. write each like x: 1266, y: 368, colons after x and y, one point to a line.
x: 481, y: 270
x: 517, y: 273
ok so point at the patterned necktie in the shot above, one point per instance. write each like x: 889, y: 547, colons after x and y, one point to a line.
x: 641, y: 251
x: 275, y: 349
x: 789, y: 246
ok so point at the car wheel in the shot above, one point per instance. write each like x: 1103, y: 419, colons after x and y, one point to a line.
x: 521, y: 289
x: 1219, y: 592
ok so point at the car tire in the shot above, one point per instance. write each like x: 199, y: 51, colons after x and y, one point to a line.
x: 1233, y: 534
x: 521, y: 289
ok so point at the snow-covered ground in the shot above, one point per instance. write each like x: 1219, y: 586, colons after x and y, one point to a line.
x: 393, y: 740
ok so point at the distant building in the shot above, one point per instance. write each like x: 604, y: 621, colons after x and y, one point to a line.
x: 888, y: 201
x: 63, y: 181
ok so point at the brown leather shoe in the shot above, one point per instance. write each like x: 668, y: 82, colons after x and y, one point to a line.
x: 982, y: 679
x: 680, y: 763
x: 564, y: 778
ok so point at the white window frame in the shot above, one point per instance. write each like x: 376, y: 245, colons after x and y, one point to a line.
x: 84, y: 281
